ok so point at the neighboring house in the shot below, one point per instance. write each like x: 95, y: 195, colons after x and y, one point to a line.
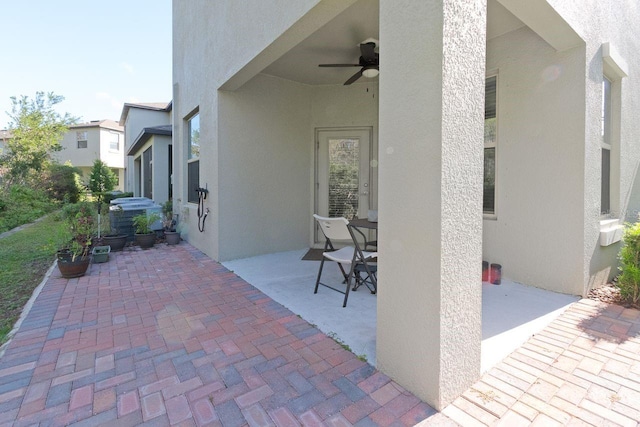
x: 503, y: 131
x: 147, y: 128
x: 4, y: 136
x: 99, y: 139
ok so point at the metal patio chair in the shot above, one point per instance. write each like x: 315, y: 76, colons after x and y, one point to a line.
x: 335, y: 229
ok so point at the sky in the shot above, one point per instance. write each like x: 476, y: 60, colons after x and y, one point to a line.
x: 97, y: 54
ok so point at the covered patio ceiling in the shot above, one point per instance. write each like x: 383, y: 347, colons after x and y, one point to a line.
x: 338, y: 40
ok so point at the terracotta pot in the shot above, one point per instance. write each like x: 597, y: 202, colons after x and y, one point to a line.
x: 146, y: 241
x: 69, y: 267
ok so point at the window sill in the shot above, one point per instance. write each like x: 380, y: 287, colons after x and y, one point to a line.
x: 610, y: 231
x: 490, y: 217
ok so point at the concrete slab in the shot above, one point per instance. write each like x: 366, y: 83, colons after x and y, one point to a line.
x: 511, y: 312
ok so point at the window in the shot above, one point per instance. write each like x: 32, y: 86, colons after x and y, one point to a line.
x: 81, y: 138
x: 490, y: 140
x: 614, y: 69
x: 114, y: 144
x: 193, y: 157
x: 605, y: 145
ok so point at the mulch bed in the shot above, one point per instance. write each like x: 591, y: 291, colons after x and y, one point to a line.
x: 610, y: 294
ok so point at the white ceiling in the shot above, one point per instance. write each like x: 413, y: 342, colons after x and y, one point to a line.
x: 338, y: 41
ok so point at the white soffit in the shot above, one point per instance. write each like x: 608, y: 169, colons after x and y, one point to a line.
x: 614, y: 65
x: 545, y: 21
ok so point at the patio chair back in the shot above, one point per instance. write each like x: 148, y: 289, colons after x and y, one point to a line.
x: 333, y: 228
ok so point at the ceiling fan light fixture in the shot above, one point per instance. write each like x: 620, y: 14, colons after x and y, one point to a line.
x: 370, y: 73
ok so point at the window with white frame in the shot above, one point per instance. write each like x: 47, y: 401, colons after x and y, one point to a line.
x: 605, y: 147
x: 614, y: 70
x: 81, y: 139
x: 114, y: 144
x: 490, y: 143
x: 193, y: 157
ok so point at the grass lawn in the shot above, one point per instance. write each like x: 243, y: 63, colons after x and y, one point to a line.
x: 25, y: 256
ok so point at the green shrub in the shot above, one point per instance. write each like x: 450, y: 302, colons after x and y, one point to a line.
x: 63, y: 183
x: 629, y: 280
x: 101, y: 178
x: 21, y: 205
x: 109, y: 196
x: 142, y: 223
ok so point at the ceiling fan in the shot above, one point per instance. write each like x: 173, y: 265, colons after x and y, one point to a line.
x: 369, y: 61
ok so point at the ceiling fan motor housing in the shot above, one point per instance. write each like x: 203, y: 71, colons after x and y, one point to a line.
x: 369, y: 61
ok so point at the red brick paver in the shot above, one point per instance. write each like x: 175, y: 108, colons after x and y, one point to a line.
x: 167, y: 336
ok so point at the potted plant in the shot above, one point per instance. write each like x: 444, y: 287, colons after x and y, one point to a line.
x: 75, y: 256
x: 115, y: 239
x: 101, y: 253
x: 144, y: 235
x: 171, y: 235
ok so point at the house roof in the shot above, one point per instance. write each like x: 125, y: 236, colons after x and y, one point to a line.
x: 153, y: 106
x: 146, y: 134
x: 107, y: 124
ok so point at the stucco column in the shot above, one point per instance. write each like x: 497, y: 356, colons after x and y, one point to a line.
x: 432, y: 72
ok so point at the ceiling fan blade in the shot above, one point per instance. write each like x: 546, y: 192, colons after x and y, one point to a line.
x: 339, y: 65
x: 368, y: 52
x: 353, y: 78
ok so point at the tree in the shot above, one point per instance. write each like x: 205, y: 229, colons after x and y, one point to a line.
x: 63, y: 182
x: 35, y: 132
x: 102, y: 178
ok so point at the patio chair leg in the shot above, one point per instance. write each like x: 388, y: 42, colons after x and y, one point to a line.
x: 344, y: 273
x: 315, y: 291
x: 346, y: 293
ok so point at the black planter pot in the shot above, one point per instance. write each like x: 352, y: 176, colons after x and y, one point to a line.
x: 146, y: 241
x: 116, y: 241
x: 70, y: 267
x: 172, y: 237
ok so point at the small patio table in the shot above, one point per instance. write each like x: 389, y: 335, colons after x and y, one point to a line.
x: 364, y: 266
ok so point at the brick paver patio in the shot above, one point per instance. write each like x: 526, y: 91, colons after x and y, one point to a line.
x: 167, y: 336
x: 581, y: 370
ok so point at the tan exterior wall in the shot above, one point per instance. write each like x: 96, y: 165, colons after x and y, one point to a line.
x: 98, y: 147
x: 237, y: 51
x: 137, y: 119
x: 257, y: 155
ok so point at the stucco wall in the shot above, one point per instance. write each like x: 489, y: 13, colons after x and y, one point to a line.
x: 264, y: 144
x: 113, y: 158
x: 549, y: 237
x: 212, y: 43
x: 97, y: 148
x: 615, y: 23
x: 429, y: 295
x: 80, y: 156
x: 160, y: 146
x: 538, y: 231
x: 137, y: 119
x: 266, y: 138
